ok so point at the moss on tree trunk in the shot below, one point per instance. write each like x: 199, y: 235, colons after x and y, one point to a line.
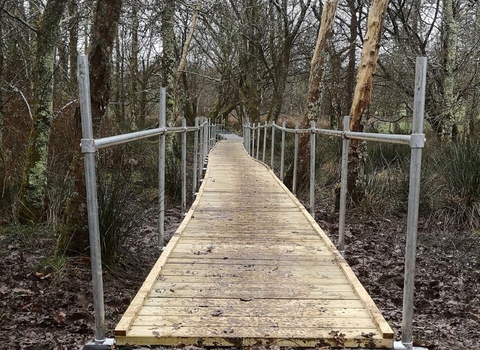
x: 32, y: 192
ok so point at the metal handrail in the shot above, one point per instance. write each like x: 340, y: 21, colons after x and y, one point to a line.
x: 205, y: 138
x: 415, y: 140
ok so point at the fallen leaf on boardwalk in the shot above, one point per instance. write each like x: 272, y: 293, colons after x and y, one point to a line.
x: 228, y: 330
x: 246, y: 299
x: 217, y: 313
x: 368, y: 335
x: 338, y: 337
x: 177, y: 325
x: 156, y: 334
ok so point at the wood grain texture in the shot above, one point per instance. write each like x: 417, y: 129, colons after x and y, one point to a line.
x: 249, y: 265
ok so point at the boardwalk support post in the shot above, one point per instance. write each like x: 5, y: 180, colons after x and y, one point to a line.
x: 200, y: 150
x: 252, y: 150
x: 161, y: 169
x: 195, y: 157
x: 312, y: 169
x: 258, y: 141
x: 89, y: 149
x: 205, y: 143
x: 272, y: 153
x: 295, y: 162
x: 416, y: 145
x: 343, y: 187
x: 264, y: 142
x: 184, y: 166
x: 282, y: 155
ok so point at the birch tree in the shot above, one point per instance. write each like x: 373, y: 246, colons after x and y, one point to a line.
x: 168, y: 56
x: 183, y: 63
x: 450, y: 55
x: 363, y: 94
x: 314, y: 87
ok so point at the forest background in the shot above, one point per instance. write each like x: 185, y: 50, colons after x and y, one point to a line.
x: 229, y: 60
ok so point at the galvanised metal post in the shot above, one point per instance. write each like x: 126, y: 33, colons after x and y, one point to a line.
x: 343, y: 187
x: 209, y: 132
x: 205, y: 142
x: 195, y: 157
x: 272, y: 159
x: 295, y: 161
x: 247, y: 136
x: 258, y: 141
x: 162, y: 121
x: 88, y: 149
x: 252, y: 151
x: 312, y: 169
x: 264, y: 142
x: 416, y: 145
x: 212, y: 140
x: 184, y: 167
x: 200, y: 147
x: 282, y: 155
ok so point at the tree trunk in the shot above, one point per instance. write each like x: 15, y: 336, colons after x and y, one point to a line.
x: 73, y: 39
x: 181, y: 74
x: 168, y: 56
x: 104, y: 30
x: 363, y: 94
x: 249, y: 61
x: 350, y: 79
x: 450, y: 57
x: 32, y: 192
x: 117, y: 82
x: 134, y: 69
x: 2, y: 79
x: 281, y: 81
x: 475, y: 108
x: 73, y: 236
x: 313, y: 97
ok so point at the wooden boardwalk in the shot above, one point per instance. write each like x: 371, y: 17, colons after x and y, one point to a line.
x: 249, y: 265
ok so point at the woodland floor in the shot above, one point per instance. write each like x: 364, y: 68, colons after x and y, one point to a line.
x: 41, y: 310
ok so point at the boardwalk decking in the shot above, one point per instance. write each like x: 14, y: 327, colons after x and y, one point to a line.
x: 247, y: 266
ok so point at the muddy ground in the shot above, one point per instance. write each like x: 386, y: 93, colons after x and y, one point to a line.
x: 41, y: 308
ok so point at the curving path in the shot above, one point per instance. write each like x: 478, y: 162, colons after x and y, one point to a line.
x: 247, y: 266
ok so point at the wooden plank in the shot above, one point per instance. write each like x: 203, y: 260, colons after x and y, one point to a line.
x: 238, y: 337
x: 229, y: 311
x: 257, y: 279
x: 308, y: 261
x: 265, y: 294
x: 305, y: 286
x: 254, y: 303
x: 260, y: 322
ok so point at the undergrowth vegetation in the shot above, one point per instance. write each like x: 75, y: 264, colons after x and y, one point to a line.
x: 450, y: 179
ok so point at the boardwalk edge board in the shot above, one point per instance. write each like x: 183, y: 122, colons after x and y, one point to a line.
x: 367, y: 301
x: 129, y: 316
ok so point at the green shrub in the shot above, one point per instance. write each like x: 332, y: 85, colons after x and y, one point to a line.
x: 458, y: 181
x: 385, y: 155
x: 120, y: 211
